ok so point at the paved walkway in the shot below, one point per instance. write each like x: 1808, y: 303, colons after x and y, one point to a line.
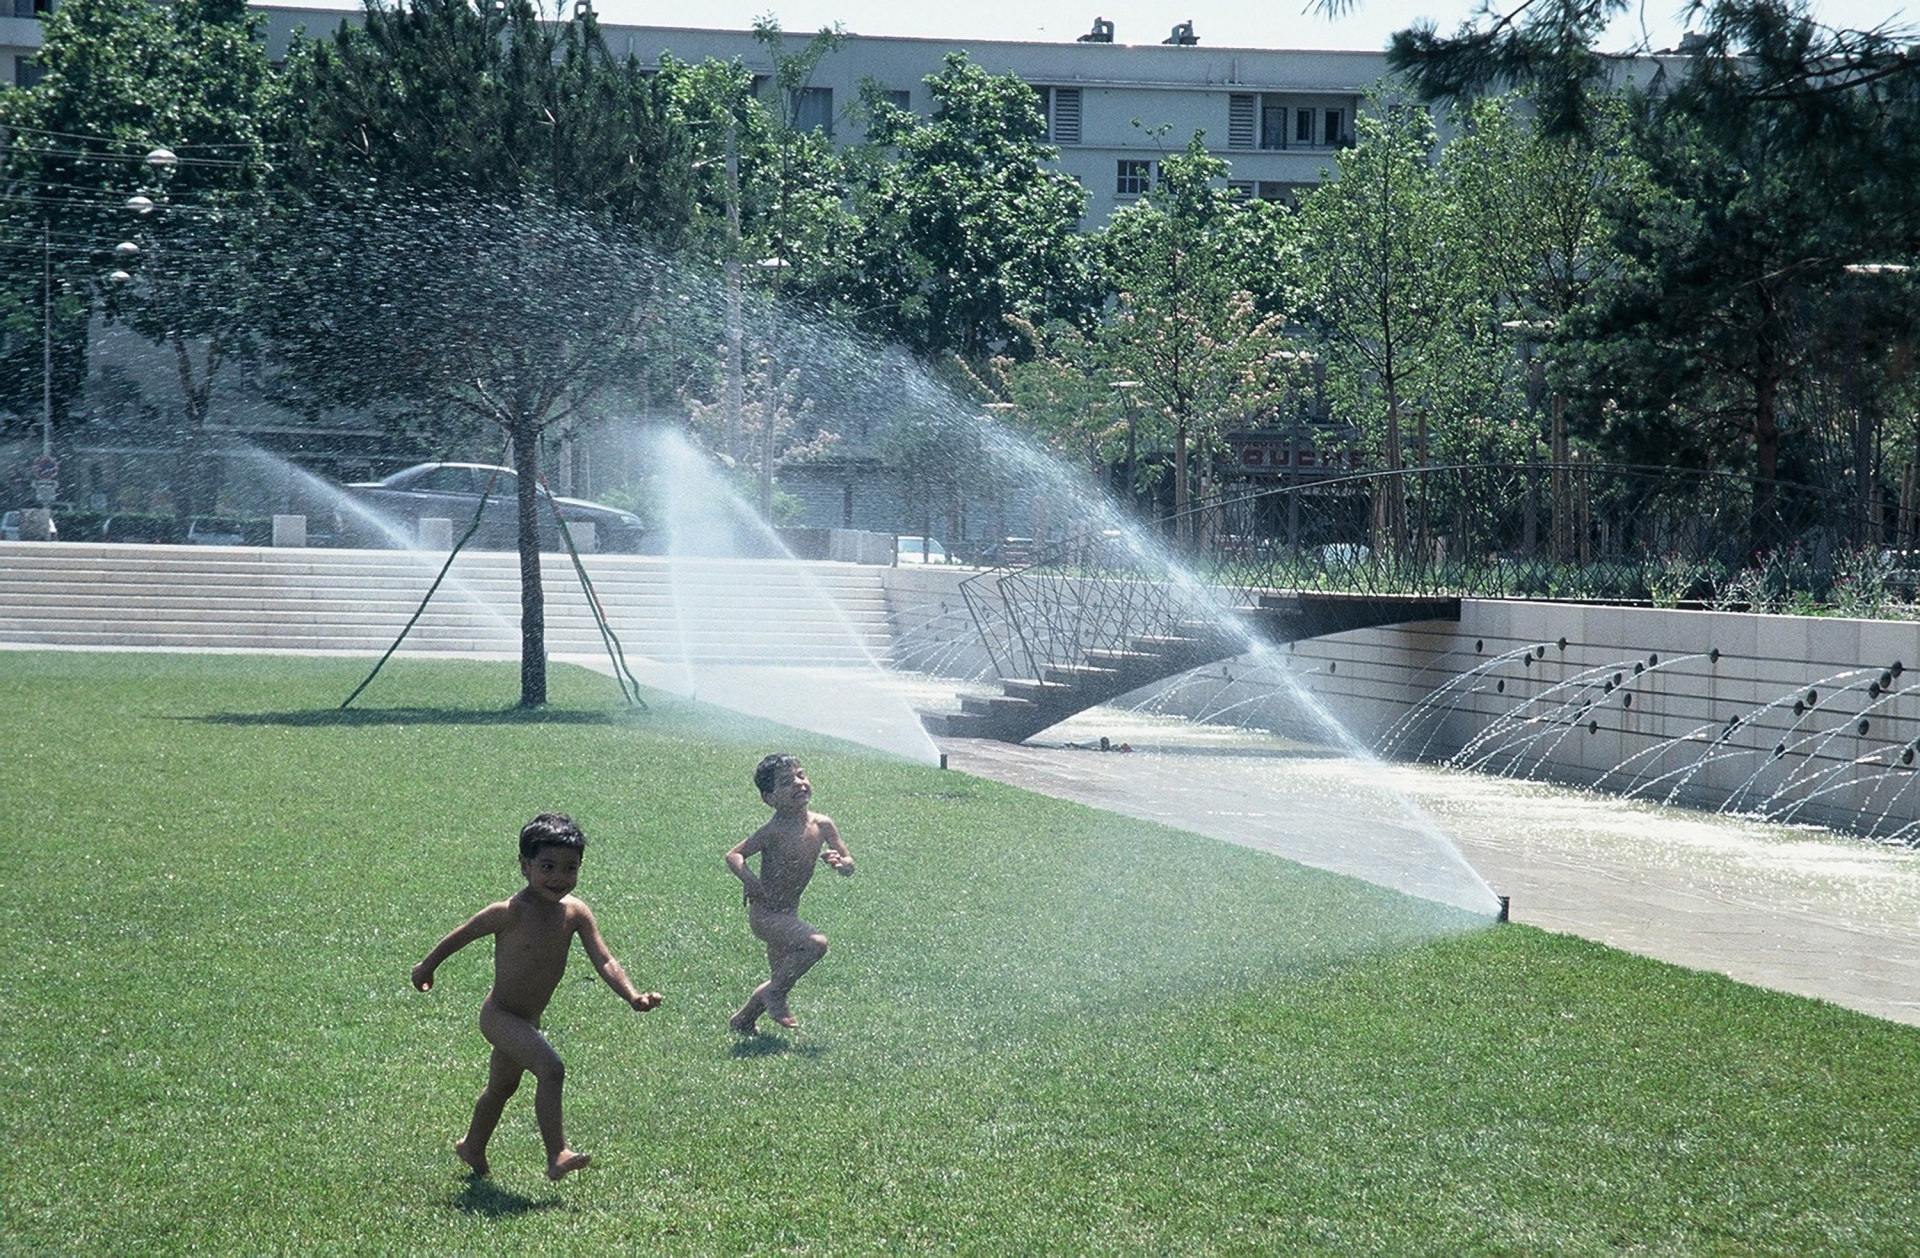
x: 1796, y: 910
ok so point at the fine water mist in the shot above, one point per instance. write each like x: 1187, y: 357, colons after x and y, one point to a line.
x: 758, y: 630
x: 306, y: 487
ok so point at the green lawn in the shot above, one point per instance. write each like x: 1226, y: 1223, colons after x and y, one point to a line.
x: 1041, y: 1029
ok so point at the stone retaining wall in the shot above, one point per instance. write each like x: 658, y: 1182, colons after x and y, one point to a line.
x: 1800, y: 718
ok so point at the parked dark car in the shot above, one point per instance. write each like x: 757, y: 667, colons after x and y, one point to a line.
x: 452, y: 491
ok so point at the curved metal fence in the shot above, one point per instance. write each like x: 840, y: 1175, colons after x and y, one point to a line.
x: 1579, y: 530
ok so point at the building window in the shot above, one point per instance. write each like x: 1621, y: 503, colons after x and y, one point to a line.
x: 25, y: 72
x: 1240, y: 115
x: 813, y: 109
x: 1133, y: 178
x: 1282, y: 191
x: 1273, y: 124
x: 1060, y: 106
x: 1240, y: 190
x: 900, y: 100
x: 32, y: 8
x: 1260, y: 121
x: 1336, y: 127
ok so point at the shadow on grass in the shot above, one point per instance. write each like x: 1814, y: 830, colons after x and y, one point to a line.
x: 354, y: 717
x: 484, y: 1197
x: 774, y: 1046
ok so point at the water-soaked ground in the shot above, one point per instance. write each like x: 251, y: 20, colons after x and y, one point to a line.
x: 1792, y: 908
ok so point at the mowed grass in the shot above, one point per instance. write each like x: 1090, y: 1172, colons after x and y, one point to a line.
x: 1040, y: 1030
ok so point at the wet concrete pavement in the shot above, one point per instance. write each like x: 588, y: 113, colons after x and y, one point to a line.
x: 1794, y: 909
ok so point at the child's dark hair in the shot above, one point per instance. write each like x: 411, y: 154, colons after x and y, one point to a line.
x: 550, y: 829
x: 766, y: 774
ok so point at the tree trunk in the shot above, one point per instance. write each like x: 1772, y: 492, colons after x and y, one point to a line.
x: 1766, y: 457
x: 533, y: 606
x: 199, y: 492
x: 1183, y: 526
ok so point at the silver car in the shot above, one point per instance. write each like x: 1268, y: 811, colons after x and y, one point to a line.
x: 388, y: 512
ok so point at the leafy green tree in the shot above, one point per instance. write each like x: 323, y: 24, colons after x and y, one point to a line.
x: 449, y: 99
x: 190, y: 84
x: 769, y: 209
x: 1708, y: 346
x: 1533, y: 213
x: 474, y: 186
x: 457, y: 319
x: 963, y: 221
x: 1391, y: 295
x: 1545, y: 49
x: 1060, y: 392
x: 1185, y: 326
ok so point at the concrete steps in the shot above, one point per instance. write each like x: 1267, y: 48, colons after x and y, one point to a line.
x: 253, y: 598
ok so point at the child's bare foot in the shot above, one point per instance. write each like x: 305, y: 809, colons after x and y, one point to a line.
x: 475, y: 1159
x: 746, y: 1022
x: 567, y: 1161
x: 783, y: 1015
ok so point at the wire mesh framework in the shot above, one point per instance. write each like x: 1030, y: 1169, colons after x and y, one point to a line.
x: 1576, y: 530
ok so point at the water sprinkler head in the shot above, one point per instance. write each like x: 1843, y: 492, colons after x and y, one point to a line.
x: 943, y: 759
x: 1506, y: 909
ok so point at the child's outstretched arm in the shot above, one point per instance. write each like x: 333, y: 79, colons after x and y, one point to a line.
x: 608, y: 968
x: 486, y: 922
x: 833, y: 849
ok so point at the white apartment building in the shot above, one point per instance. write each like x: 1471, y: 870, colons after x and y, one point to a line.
x: 1113, y: 109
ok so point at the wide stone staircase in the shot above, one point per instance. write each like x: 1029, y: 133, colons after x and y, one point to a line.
x: 711, y: 611
x: 1095, y: 675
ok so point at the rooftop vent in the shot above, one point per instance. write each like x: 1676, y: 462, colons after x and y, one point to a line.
x: 1182, y: 34
x: 1102, y: 33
